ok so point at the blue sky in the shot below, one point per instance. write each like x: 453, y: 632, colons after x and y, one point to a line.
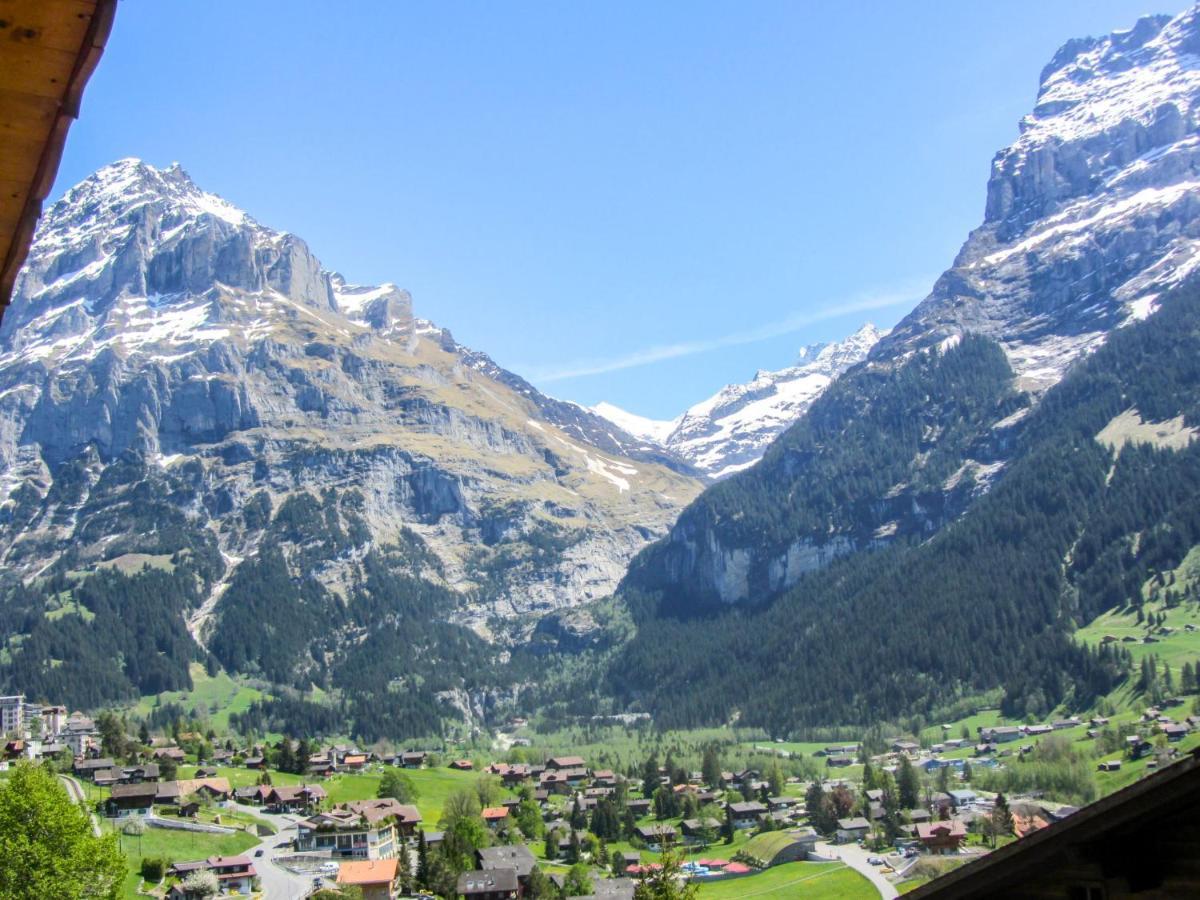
x: 634, y: 202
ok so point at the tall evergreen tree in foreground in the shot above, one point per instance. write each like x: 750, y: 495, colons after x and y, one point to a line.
x: 47, y: 848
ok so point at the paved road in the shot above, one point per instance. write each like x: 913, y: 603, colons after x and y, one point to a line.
x: 75, y: 790
x: 856, y: 857
x: 277, y: 882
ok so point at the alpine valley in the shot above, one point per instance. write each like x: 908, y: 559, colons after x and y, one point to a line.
x: 216, y: 454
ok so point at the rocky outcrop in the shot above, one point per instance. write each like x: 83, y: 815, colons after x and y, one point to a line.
x: 1092, y: 213
x: 159, y: 328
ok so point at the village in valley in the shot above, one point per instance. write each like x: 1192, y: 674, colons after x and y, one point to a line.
x: 590, y: 811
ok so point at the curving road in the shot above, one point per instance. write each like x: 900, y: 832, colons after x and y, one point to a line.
x: 277, y: 882
x: 856, y: 857
x: 75, y: 791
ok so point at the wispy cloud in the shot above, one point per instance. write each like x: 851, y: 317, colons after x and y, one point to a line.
x: 906, y: 293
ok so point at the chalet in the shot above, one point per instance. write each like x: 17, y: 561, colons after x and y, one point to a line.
x: 235, y: 874
x: 378, y: 879
x: 1001, y: 734
x: 1038, y: 730
x: 174, y: 792
x: 839, y: 750
x: 139, y: 774
x: 488, y: 884
x: 254, y: 762
x: 299, y: 798
x: 917, y: 816
x: 940, y: 838
x: 639, y: 807
x: 462, y: 765
x: 353, y: 762
x: 516, y: 857
x: 1062, y: 724
x: 107, y: 777
x: 839, y: 762
x: 1175, y: 732
x: 412, y: 759
x: 963, y: 799
x: 698, y: 831
x: 746, y: 775
x: 87, y: 768
x: 130, y: 800
x: 604, y: 778
x: 510, y: 775
x: 746, y: 815
x: 852, y: 829
x: 364, y: 829
x: 905, y: 747
x: 202, y: 772
x: 495, y: 817
x: 221, y: 757
x: 657, y: 836
x: 565, y: 762
x: 175, y: 754
x: 1138, y: 746
x: 255, y: 794
x: 564, y: 840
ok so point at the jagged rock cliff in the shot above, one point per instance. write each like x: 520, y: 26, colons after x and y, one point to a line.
x: 215, y: 359
x: 1091, y: 214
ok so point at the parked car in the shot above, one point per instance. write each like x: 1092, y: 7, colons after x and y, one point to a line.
x: 258, y: 852
x: 874, y: 861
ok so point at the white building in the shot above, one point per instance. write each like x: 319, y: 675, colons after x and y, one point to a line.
x: 12, y: 715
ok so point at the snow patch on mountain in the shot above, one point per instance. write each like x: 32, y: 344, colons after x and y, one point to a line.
x: 656, y: 430
x: 1092, y: 213
x: 730, y: 430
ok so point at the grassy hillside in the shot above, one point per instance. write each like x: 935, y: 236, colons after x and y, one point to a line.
x: 813, y: 881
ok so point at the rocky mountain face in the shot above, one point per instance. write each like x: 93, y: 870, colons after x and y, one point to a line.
x: 730, y: 430
x: 162, y: 343
x: 1092, y: 218
x: 1092, y: 214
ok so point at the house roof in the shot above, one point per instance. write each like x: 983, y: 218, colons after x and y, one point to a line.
x: 753, y: 807
x: 929, y: 830
x: 495, y: 812
x: 51, y: 49
x: 368, y: 871
x: 853, y: 824
x: 383, y: 808
x: 484, y: 881
x: 146, y: 790
x: 515, y: 856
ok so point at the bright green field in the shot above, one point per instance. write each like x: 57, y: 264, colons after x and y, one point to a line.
x: 246, y: 777
x: 433, y: 787
x: 212, y: 698
x: 812, y: 881
x: 176, y: 846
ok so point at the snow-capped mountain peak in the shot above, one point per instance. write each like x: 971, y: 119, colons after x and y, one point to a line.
x: 1092, y: 212
x: 654, y: 430
x: 730, y: 430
